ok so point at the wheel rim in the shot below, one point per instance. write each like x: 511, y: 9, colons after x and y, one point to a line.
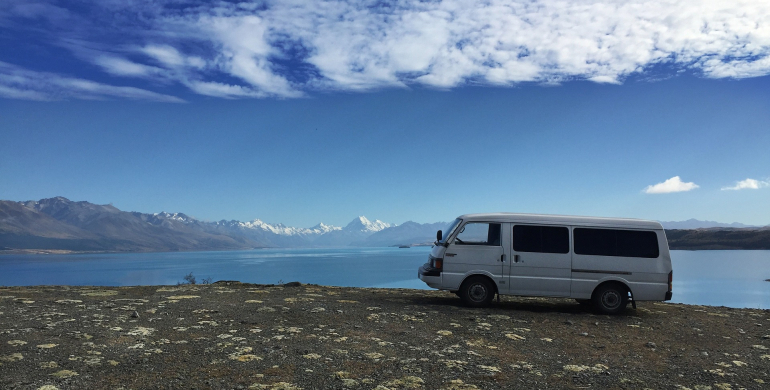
x: 477, y: 292
x: 611, y: 299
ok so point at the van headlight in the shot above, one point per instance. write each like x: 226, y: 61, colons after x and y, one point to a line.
x: 436, y: 262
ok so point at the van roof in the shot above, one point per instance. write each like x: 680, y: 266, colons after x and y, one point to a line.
x: 564, y: 219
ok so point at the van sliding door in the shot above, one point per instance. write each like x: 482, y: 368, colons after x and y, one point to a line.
x: 541, y: 262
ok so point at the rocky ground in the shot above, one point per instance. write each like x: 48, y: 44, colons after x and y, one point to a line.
x: 240, y: 336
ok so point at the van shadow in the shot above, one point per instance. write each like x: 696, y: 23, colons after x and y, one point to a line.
x: 508, y: 305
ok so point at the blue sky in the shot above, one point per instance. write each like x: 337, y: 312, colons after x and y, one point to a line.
x: 314, y: 112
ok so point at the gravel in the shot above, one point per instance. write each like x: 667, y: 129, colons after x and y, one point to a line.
x: 243, y: 336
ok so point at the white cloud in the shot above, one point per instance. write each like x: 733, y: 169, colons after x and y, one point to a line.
x: 165, y: 54
x: 674, y: 184
x: 286, y: 48
x: 245, y: 53
x: 750, y: 184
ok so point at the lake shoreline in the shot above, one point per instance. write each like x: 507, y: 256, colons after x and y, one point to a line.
x: 45, y: 252
x: 293, y: 336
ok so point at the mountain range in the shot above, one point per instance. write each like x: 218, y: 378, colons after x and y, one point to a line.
x: 61, y: 224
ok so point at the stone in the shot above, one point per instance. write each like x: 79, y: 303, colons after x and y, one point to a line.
x: 457, y: 384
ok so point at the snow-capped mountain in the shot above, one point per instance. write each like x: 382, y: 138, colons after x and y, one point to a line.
x: 408, y: 233
x: 360, y: 224
x: 355, y: 231
x: 280, y: 235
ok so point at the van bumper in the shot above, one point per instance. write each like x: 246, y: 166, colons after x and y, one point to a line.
x: 431, y: 276
x: 668, y: 296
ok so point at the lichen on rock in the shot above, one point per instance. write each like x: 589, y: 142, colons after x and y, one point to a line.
x: 63, y: 374
x: 14, y: 357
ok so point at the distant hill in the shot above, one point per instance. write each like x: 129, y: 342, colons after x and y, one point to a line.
x: 58, y: 223
x: 61, y: 224
x: 719, y: 238
x: 698, y: 224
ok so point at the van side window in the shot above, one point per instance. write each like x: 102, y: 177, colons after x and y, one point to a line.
x: 540, y: 239
x: 479, y: 233
x: 614, y: 242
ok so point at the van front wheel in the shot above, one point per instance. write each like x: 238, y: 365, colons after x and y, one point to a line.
x: 477, y: 291
x: 610, y: 299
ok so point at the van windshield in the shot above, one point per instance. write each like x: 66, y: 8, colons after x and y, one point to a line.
x: 447, y: 231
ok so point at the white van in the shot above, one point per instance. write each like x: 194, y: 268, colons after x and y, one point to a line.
x: 604, y: 261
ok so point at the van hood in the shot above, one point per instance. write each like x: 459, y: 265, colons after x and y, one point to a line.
x: 438, y: 251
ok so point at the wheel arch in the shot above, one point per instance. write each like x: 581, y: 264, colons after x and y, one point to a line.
x: 613, y: 281
x: 483, y: 275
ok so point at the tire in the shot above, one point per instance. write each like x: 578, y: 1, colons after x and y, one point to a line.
x: 610, y: 298
x: 583, y: 301
x: 477, y: 291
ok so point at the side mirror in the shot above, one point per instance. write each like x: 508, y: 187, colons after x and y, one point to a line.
x: 439, y: 235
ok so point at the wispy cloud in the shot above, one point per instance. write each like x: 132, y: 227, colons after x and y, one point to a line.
x: 123, y: 67
x: 289, y: 47
x: 674, y: 184
x: 19, y: 83
x: 748, y: 184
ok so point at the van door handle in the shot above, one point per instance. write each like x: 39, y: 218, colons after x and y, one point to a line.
x: 450, y: 254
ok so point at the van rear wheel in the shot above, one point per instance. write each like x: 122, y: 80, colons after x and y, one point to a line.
x: 477, y: 291
x: 610, y: 298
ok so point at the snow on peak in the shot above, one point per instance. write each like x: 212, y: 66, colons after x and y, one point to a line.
x: 360, y: 224
x: 322, y: 228
x: 284, y: 230
x: 181, y: 217
x: 363, y: 224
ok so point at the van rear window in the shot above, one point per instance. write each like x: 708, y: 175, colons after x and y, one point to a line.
x: 540, y: 239
x: 614, y: 242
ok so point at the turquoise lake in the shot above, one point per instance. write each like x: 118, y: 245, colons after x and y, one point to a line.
x: 718, y: 278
